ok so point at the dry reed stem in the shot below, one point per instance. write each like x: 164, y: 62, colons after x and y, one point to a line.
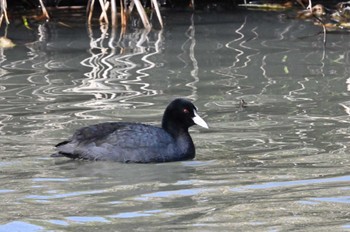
x: 43, y: 8
x: 131, y: 7
x: 310, y: 5
x: 90, y: 10
x: 1, y: 18
x: 124, y: 11
x: 114, y: 13
x: 104, y: 7
x: 3, y: 4
x: 143, y: 14
x: 123, y: 15
x: 156, y: 7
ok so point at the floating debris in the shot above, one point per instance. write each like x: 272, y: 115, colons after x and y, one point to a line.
x: 316, y: 11
x: 268, y: 6
x: 242, y: 104
x: 6, y: 42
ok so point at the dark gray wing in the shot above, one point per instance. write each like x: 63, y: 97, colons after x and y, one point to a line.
x: 125, y: 142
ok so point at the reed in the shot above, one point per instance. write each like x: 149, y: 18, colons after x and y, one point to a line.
x: 125, y: 10
x: 114, y: 13
x: 3, y: 14
x: 106, y: 6
x: 45, y: 13
x: 317, y: 18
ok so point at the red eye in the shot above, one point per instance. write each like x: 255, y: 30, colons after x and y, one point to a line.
x: 185, y: 111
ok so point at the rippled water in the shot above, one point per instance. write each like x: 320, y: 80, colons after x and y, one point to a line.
x: 280, y: 164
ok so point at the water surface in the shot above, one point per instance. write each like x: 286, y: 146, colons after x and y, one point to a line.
x: 282, y: 163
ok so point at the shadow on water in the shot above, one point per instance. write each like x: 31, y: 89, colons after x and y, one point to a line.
x: 281, y: 163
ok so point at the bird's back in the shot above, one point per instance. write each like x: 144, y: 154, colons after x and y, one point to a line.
x: 124, y: 142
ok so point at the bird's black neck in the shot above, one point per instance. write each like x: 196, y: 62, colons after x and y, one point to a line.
x: 181, y: 137
x: 173, y: 127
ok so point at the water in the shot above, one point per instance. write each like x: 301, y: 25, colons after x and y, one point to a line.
x: 280, y: 164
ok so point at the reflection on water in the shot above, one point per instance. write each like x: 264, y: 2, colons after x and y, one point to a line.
x: 113, y: 73
x: 280, y: 164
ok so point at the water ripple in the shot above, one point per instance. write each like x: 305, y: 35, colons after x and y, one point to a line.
x: 293, y: 183
x: 146, y: 213
x: 281, y: 163
x: 20, y: 226
x: 63, y: 195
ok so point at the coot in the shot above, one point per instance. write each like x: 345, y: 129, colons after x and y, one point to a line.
x: 136, y: 142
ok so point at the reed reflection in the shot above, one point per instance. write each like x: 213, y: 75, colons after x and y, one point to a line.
x: 244, y: 60
x: 119, y: 66
x: 191, y: 44
x: 3, y: 71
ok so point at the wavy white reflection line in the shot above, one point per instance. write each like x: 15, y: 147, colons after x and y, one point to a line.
x: 273, y: 44
x: 142, y: 72
x: 270, y: 81
x: 3, y: 72
x: 281, y: 34
x: 291, y: 95
x: 4, y: 118
x: 100, y: 65
x: 194, y: 71
x: 96, y: 60
x: 228, y: 45
x: 241, y: 59
x: 280, y: 37
x: 183, y: 49
x: 113, y: 74
x: 189, y: 47
x: 307, y: 118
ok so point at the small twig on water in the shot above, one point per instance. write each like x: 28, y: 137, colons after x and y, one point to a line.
x: 324, y: 29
